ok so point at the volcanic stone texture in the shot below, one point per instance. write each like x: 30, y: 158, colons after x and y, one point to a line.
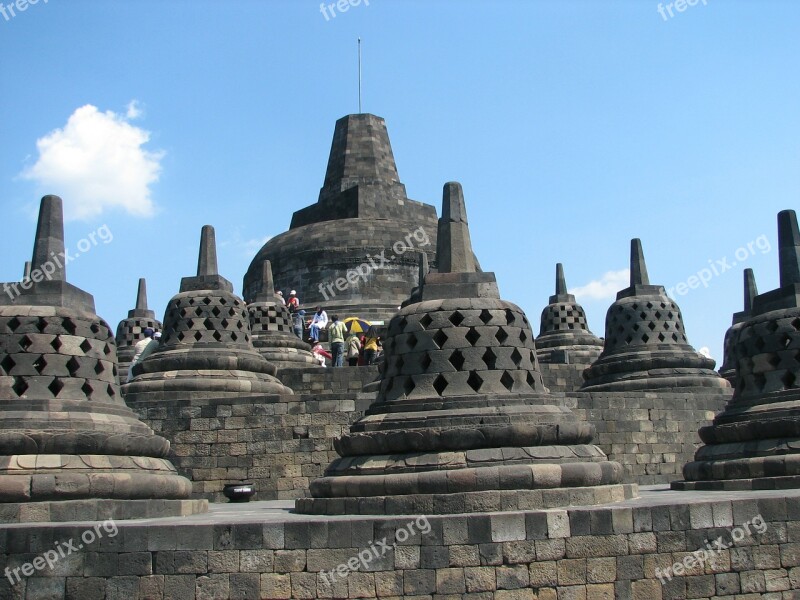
x: 131, y: 330
x: 755, y: 442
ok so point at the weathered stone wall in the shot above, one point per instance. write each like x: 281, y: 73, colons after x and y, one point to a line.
x: 651, y: 434
x: 559, y: 377
x: 587, y: 554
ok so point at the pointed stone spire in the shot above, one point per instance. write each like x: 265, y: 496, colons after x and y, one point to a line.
x: 267, y: 293
x: 789, y: 247
x: 423, y: 269
x: 561, y: 282
x: 141, y: 295
x: 454, y: 246
x: 207, y: 260
x: 27, y: 274
x: 208, y: 277
x: 638, y: 266
x: 50, y: 238
x: 750, y: 290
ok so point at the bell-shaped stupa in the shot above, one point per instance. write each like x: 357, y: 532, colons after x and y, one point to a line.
x: 271, y: 326
x: 69, y: 446
x: 728, y: 368
x: 206, y: 350
x: 462, y: 421
x: 753, y: 443
x: 645, y: 346
x: 131, y: 330
x: 564, y: 334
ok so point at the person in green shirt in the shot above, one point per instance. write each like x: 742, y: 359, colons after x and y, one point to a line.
x: 336, y: 334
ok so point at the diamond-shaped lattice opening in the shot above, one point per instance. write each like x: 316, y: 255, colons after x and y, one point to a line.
x: 634, y: 306
x: 73, y: 366
x: 191, y: 301
x: 643, y: 315
x: 651, y: 326
x: 107, y: 349
x: 456, y: 318
x: 439, y: 384
x: 55, y: 386
x: 399, y: 363
x: 180, y: 336
x: 507, y: 380
x: 412, y: 341
x: 209, y: 324
x: 635, y: 327
x: 86, y: 345
x: 95, y: 328
x: 232, y: 312
x: 628, y: 339
x: 661, y: 337
x: 675, y: 337
x: 234, y: 337
x: 516, y: 357
x: 182, y: 312
x: 25, y: 342
x: 439, y: 338
x: 666, y: 325
x: 760, y: 343
x: 645, y: 338
x: 485, y: 316
x: 425, y: 362
x: 246, y: 338
x: 56, y: 344
x: 457, y: 359
x: 19, y: 386
x: 198, y: 336
x: 795, y: 324
x: 649, y: 305
x: 41, y: 325
x: 409, y: 385
x: 206, y: 300
x: 628, y: 316
x: 223, y: 301
x: 620, y: 329
x: 425, y: 320
x: 501, y: 335
x: 531, y: 381
x: 510, y: 318
x: 472, y: 336
x: 774, y: 360
x: 87, y: 389
x: 217, y: 335
x: 522, y: 336
x: 788, y: 380
x: 658, y: 314
x: 786, y: 339
x: 13, y: 324
x: 190, y: 323
x: 198, y: 312
x: 490, y: 358
x: 99, y: 367
x: 7, y: 364
x: 677, y: 325
x: 474, y: 381
x: 772, y: 326
x: 111, y: 391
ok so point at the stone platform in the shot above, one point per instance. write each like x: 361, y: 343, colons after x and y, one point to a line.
x: 263, y: 550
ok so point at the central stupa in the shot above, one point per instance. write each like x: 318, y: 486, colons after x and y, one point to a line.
x: 356, y: 250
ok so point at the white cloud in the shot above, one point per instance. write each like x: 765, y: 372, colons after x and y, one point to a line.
x: 133, y: 110
x: 247, y: 248
x: 97, y: 162
x: 605, y: 288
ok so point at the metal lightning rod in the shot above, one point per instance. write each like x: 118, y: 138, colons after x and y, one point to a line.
x: 359, y: 75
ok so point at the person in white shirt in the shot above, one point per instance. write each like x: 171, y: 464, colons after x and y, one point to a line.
x: 318, y: 323
x: 139, y: 348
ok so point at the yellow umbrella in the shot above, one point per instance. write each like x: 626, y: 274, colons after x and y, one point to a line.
x: 356, y: 325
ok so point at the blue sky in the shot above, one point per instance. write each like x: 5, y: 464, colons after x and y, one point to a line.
x: 573, y: 127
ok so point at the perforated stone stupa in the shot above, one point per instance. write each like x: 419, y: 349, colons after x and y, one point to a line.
x: 131, y: 330
x: 355, y: 251
x: 755, y: 442
x: 462, y: 421
x: 206, y: 350
x: 645, y: 346
x: 728, y: 368
x: 271, y: 325
x: 69, y: 446
x: 564, y: 334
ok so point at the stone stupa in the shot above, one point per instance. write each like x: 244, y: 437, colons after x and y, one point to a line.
x: 645, y: 344
x: 131, y: 330
x: 271, y: 326
x: 71, y: 448
x: 564, y: 335
x: 206, y: 350
x: 462, y: 422
x: 753, y: 443
x: 728, y: 368
x: 355, y: 252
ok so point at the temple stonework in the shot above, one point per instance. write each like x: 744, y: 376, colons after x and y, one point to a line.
x: 131, y: 330
x: 356, y: 250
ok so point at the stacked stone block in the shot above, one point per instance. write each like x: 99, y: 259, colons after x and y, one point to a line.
x: 728, y: 368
